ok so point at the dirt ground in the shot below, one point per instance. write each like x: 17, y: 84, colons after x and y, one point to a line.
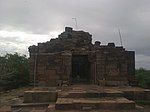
x: 10, y: 97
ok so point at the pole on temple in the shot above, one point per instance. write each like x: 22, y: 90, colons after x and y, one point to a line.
x: 120, y: 36
x: 35, y: 64
x: 75, y: 19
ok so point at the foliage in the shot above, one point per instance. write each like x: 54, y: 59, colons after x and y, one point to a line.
x: 14, y: 71
x: 143, y: 76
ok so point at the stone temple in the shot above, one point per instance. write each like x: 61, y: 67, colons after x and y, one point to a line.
x: 72, y: 58
x: 74, y: 75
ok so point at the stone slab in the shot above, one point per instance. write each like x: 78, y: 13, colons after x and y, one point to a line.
x: 94, y: 103
x: 136, y: 93
x: 27, y: 107
x: 40, y: 96
x: 93, y: 94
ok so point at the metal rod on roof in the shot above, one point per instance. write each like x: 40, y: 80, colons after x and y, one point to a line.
x: 120, y: 36
x: 76, y: 22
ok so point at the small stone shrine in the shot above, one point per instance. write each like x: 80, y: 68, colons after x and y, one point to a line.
x: 72, y: 58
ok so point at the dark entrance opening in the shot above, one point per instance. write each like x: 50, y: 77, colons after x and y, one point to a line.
x: 80, y: 69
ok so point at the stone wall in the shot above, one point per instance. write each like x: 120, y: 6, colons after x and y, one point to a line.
x: 53, y: 68
x: 111, y: 64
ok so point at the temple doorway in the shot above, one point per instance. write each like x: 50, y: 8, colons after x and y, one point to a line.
x: 80, y: 69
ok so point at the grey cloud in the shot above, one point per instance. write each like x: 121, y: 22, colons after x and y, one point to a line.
x: 11, y: 40
x: 10, y: 47
x: 13, y: 44
x: 142, y: 61
x: 101, y: 18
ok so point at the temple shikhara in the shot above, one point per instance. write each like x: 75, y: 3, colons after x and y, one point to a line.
x: 72, y: 58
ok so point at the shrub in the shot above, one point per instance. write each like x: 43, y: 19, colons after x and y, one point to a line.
x: 143, y: 76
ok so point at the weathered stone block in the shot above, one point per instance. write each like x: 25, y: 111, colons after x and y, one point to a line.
x: 37, y: 96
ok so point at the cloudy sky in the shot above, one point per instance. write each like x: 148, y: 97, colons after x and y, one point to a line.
x: 27, y: 22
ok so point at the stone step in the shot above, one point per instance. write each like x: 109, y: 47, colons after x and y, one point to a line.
x: 29, y: 106
x: 91, y: 94
x: 40, y: 96
x: 119, y: 103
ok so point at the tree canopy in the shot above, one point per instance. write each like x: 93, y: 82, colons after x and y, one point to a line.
x: 14, y: 71
x: 143, y: 76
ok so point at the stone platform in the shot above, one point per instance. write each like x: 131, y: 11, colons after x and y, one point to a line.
x: 94, y: 103
x: 86, y: 97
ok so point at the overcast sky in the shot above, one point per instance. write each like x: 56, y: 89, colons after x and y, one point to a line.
x: 27, y: 22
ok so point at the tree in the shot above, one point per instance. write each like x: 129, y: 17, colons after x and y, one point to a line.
x: 14, y: 71
x: 143, y: 76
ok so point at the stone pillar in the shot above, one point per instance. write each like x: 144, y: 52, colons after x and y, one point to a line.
x: 67, y: 63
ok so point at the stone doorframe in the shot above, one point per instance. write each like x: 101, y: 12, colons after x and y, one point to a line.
x: 91, y: 60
